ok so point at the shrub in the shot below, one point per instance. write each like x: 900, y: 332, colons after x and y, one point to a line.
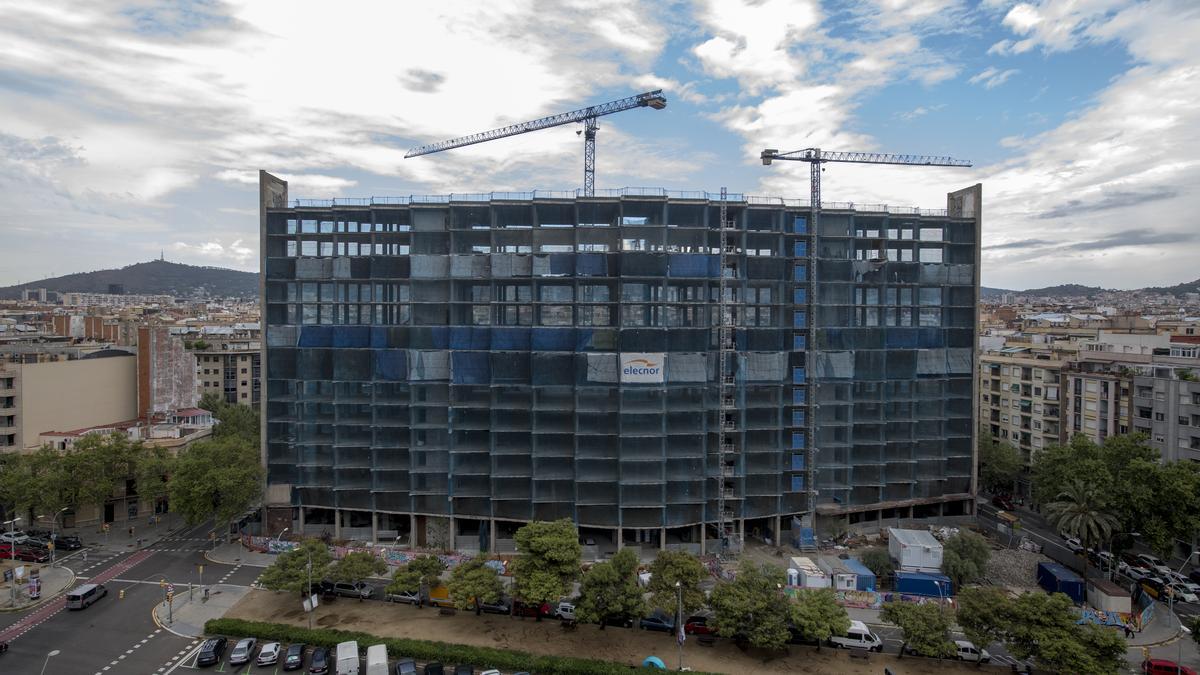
x: 424, y: 650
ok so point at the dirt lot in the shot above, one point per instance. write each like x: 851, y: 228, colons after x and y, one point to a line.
x: 613, y: 644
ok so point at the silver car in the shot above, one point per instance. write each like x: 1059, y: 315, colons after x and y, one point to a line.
x: 242, y: 651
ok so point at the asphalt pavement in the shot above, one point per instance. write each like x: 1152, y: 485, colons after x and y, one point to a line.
x: 117, y: 635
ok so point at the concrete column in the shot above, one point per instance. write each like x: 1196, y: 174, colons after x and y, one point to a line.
x: 620, y: 540
x: 301, y: 521
x: 703, y: 538
x: 491, y: 535
x: 337, y: 523
x: 412, y: 530
x: 742, y: 531
x: 662, y: 539
x: 778, y: 530
x: 374, y: 526
x: 941, y: 509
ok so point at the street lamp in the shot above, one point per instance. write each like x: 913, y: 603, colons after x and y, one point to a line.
x: 679, y: 622
x: 53, y: 531
x: 1171, y: 590
x: 12, y: 550
x: 47, y: 661
x: 281, y: 533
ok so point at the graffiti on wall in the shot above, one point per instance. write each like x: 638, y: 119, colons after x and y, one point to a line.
x: 394, y: 557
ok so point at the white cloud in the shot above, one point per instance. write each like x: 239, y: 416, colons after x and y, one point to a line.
x: 234, y: 254
x: 991, y: 77
x: 920, y: 111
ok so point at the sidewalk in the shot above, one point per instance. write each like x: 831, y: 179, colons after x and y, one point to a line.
x: 118, y: 538
x: 55, y: 581
x: 234, y: 553
x: 186, y: 616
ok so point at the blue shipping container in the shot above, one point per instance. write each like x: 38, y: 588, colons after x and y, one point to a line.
x: 924, y: 583
x: 1055, y: 578
x: 866, y: 578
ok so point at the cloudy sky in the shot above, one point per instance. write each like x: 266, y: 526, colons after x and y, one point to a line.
x: 133, y: 128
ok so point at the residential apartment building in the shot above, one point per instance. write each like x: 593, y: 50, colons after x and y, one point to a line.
x: 231, y: 370
x: 1021, y: 398
x: 1166, y: 406
x: 1099, y: 403
x: 652, y: 366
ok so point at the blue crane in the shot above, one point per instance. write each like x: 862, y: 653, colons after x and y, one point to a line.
x: 651, y: 99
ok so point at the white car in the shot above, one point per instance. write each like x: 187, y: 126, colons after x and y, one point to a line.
x: 967, y: 651
x: 1138, y: 573
x: 858, y: 637
x: 1154, y: 563
x: 565, y: 611
x: 16, y: 537
x: 1074, y: 545
x: 269, y: 654
x: 1184, y: 592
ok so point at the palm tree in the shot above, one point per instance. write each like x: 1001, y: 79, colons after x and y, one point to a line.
x: 1080, y: 512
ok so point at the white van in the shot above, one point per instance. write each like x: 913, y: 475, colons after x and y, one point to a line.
x: 85, y: 595
x: 347, y: 658
x: 858, y: 637
x: 377, y: 662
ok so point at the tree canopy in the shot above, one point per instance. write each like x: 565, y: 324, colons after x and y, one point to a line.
x: 473, y: 583
x: 926, y: 627
x: 548, y: 560
x: 999, y: 464
x: 357, y: 566
x: 417, y: 575
x: 751, y: 606
x: 1041, y: 627
x: 816, y: 615
x: 290, y: 571
x: 982, y: 614
x: 610, y: 591
x: 216, y: 479
x: 676, y: 566
x: 964, y: 557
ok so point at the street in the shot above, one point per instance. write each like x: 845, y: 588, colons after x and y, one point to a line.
x: 115, y: 635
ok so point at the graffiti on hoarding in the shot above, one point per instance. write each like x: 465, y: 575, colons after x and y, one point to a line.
x: 860, y: 599
x: 394, y: 557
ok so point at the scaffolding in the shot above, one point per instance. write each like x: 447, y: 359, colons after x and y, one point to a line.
x: 727, y: 355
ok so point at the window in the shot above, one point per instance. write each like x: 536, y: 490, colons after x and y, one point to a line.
x: 931, y: 297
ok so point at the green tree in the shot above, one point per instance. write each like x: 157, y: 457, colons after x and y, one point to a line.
x: 216, y: 479
x: 1041, y: 628
x: 610, y: 591
x: 750, y: 607
x: 879, y: 561
x: 999, y: 464
x: 926, y: 627
x: 816, y: 615
x: 670, y: 567
x: 983, y: 615
x: 548, y: 560
x: 1080, y: 512
x: 417, y: 576
x: 290, y: 570
x: 357, y: 566
x: 964, y: 557
x: 473, y: 583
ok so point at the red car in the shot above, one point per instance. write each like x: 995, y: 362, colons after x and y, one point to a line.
x: 531, y: 609
x: 32, y: 555
x: 698, y: 625
x: 1165, y: 667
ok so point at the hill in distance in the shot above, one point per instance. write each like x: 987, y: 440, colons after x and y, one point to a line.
x: 1077, y: 290
x: 151, y: 278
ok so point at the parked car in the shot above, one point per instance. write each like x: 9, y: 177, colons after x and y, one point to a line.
x: 1003, y: 501
x: 269, y: 654
x: 1165, y: 667
x: 533, y: 609
x: 242, y: 651
x: 1154, y: 563
x: 659, y: 621
x: 464, y: 669
x: 699, y: 625
x: 965, y: 650
x: 858, y: 637
x: 565, y: 611
x: 1074, y: 545
x: 68, y: 542
x: 1194, y: 575
x: 211, y: 651
x: 38, y: 542
x: 404, y: 596
x: 434, y: 668
x: 14, y: 537
x: 406, y: 667
x: 356, y: 589
x: 319, y: 663
x: 1137, y: 573
x: 501, y: 606
x: 323, y: 589
x: 32, y: 555
x: 293, y: 659
x: 1183, y: 593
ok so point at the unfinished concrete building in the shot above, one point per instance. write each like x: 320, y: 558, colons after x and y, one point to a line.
x: 666, y: 369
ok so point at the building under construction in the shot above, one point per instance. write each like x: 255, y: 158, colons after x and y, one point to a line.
x: 669, y: 369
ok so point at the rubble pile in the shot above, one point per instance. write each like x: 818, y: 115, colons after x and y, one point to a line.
x: 1015, y: 569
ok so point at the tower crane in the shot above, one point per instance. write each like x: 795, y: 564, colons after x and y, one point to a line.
x: 651, y: 99
x: 815, y: 158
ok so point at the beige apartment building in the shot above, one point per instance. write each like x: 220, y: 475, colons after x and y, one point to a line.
x: 1099, y: 404
x: 41, y: 392
x: 231, y: 370
x: 1020, y: 401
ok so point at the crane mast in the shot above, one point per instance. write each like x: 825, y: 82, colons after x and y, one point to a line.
x: 815, y: 158
x: 650, y: 99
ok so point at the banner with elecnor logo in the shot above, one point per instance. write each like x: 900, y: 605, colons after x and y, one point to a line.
x: 639, y: 368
